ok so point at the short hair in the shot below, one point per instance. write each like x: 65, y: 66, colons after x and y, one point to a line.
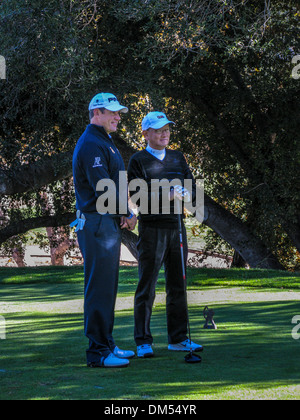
x: 91, y: 112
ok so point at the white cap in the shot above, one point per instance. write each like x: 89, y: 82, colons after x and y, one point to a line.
x: 155, y: 120
x: 107, y: 101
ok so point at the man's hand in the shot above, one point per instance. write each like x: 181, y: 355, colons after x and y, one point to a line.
x: 180, y: 193
x: 131, y: 223
x: 127, y: 223
x: 123, y: 223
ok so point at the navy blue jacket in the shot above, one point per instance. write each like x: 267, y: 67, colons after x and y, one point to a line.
x: 95, y: 158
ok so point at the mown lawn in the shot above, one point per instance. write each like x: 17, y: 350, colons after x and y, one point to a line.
x: 252, y: 355
x: 129, y: 275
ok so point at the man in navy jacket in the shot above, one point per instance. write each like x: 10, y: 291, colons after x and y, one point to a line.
x: 97, y: 158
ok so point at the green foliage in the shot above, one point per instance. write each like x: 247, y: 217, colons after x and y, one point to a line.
x: 222, y: 70
x: 227, y: 69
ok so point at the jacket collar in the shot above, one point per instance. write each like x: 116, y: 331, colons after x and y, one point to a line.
x: 97, y: 129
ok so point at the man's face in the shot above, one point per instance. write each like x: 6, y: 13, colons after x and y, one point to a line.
x: 109, y: 120
x: 158, y: 139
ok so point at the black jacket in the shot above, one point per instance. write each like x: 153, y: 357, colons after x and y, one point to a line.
x: 173, y: 167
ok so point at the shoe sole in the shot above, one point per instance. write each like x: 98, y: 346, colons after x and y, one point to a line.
x: 96, y: 366
x: 128, y: 358
x: 198, y: 350
x: 116, y: 367
x: 146, y: 356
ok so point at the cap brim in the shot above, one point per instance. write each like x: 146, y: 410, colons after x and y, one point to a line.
x: 161, y: 124
x: 117, y: 108
x: 113, y: 108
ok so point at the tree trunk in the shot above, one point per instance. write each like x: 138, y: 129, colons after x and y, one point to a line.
x: 238, y: 235
x: 129, y: 239
x: 19, y: 256
x: 238, y: 261
x: 293, y: 231
x: 59, y: 244
x: 23, y: 226
x: 36, y: 175
x: 47, y: 170
x: 229, y: 227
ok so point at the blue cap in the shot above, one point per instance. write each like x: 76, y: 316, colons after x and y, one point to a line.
x: 155, y: 120
x: 107, y: 101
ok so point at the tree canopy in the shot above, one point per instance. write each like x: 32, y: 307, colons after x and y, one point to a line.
x: 222, y: 69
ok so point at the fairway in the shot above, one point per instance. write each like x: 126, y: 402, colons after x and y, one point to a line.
x: 252, y: 355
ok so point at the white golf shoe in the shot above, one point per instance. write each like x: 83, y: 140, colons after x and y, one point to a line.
x: 123, y: 354
x: 144, y: 351
x: 186, y: 345
x: 111, y: 361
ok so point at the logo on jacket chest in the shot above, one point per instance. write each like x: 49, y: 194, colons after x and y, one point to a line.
x: 97, y: 163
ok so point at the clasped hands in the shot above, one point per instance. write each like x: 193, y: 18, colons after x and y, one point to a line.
x: 177, y: 192
x: 127, y: 223
x: 180, y: 193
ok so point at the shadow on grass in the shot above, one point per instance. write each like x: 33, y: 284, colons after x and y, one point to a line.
x: 48, y: 274
x: 44, y: 356
x: 42, y: 292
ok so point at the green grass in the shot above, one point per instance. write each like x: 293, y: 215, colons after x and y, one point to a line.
x: 252, y: 355
x: 244, y: 278
x: 204, y: 277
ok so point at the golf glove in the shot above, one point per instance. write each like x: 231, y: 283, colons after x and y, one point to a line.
x: 182, y: 194
x: 79, y: 222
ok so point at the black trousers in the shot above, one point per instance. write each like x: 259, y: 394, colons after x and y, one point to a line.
x: 156, y: 247
x: 100, y: 244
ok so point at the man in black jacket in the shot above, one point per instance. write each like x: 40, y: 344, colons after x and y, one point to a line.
x: 159, y: 238
x: 95, y: 159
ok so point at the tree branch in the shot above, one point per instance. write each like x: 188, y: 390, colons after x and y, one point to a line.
x: 129, y: 239
x: 23, y: 226
x: 47, y: 170
x: 239, y: 236
x: 36, y: 175
x: 220, y: 220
